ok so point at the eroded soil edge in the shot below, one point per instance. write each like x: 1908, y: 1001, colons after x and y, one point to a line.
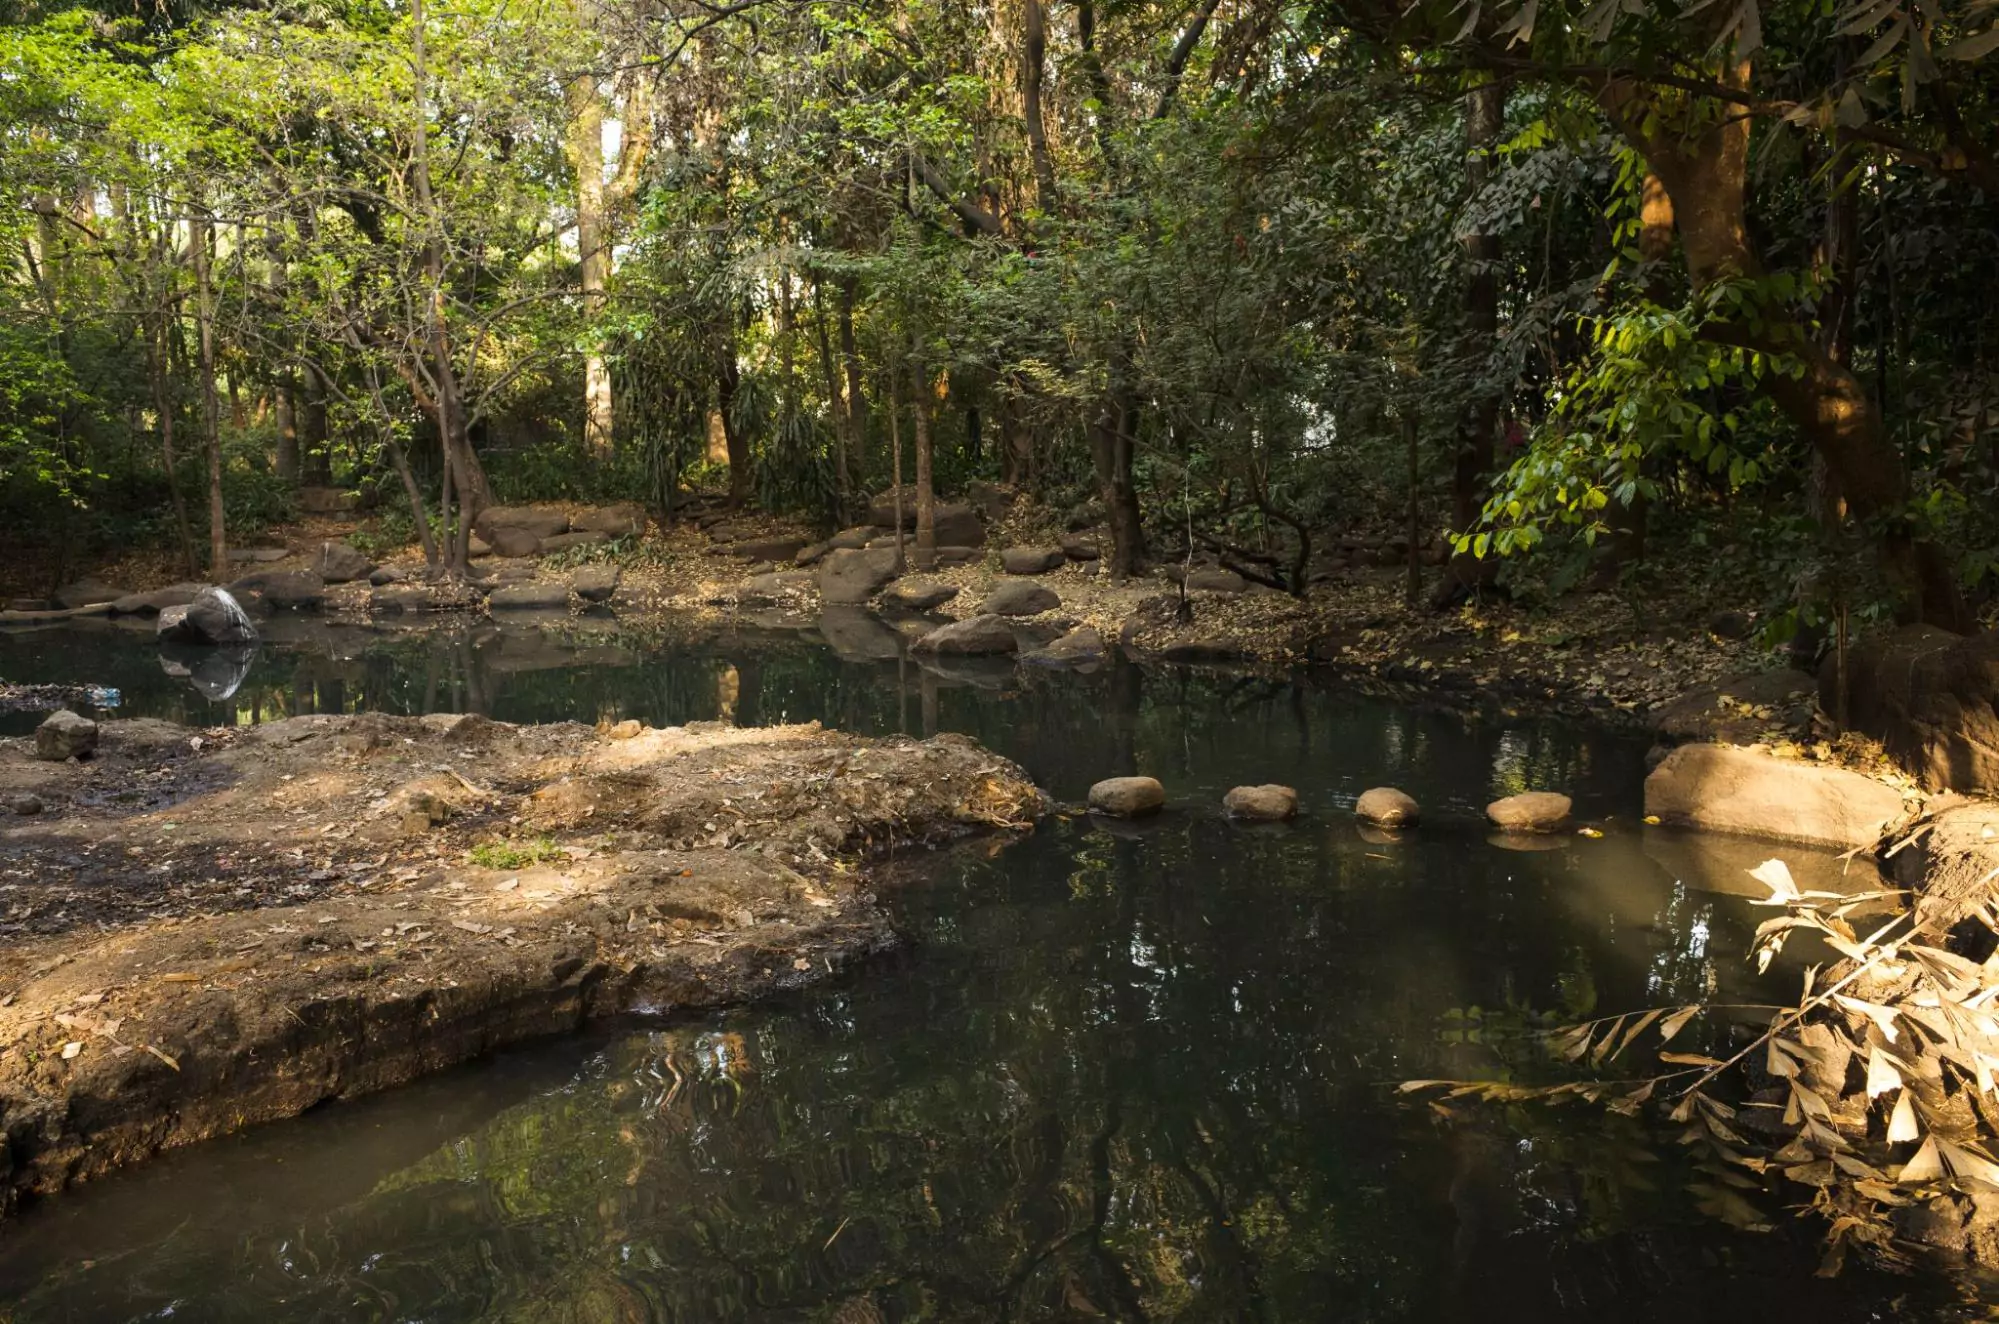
x: 210, y: 930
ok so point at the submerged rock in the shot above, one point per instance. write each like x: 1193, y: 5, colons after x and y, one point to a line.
x: 1080, y: 647
x: 64, y: 735
x: 1262, y: 804
x: 1532, y: 811
x: 1127, y: 797
x: 25, y: 804
x: 214, y: 617
x: 1387, y: 807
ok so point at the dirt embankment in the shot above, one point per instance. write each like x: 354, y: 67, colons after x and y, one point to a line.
x: 205, y: 930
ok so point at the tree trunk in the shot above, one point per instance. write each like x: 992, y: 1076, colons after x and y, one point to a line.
x: 1485, y: 110
x: 1706, y: 173
x: 1033, y: 67
x: 850, y: 356
x: 842, y: 407
x: 288, y: 462
x: 1111, y: 446
x: 163, y: 409
x: 316, y: 441
x: 926, y: 497
x: 728, y: 377
x: 201, y: 230
x: 586, y: 156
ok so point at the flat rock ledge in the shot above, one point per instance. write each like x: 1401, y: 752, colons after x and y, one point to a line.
x: 211, y: 930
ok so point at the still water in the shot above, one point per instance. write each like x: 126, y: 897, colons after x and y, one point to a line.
x: 1136, y: 1073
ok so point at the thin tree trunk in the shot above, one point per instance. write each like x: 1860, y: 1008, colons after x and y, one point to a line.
x: 201, y: 229
x: 926, y: 496
x: 850, y: 355
x: 895, y: 453
x: 1413, y: 588
x: 843, y: 414
x: 1485, y: 111
x: 460, y: 464
x: 163, y: 409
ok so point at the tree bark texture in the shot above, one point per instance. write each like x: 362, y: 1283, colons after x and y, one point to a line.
x: 1702, y: 158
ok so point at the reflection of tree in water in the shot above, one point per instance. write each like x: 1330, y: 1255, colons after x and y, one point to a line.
x: 1131, y: 1074
x: 1135, y: 1077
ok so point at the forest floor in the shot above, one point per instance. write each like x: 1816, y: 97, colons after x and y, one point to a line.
x: 1618, y: 654
x: 232, y: 926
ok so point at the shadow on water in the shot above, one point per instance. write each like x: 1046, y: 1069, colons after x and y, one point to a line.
x: 1141, y: 1074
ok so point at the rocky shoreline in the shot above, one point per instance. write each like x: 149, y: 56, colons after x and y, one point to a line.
x: 230, y: 927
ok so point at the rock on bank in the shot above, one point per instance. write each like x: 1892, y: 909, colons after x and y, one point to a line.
x: 208, y: 933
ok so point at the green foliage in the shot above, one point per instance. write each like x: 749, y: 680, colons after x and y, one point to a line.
x: 516, y: 853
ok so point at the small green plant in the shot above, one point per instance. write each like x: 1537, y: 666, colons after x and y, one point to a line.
x: 569, y: 558
x: 515, y: 854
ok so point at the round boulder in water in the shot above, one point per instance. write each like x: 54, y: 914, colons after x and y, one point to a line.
x: 1127, y: 797
x: 214, y: 617
x: 1533, y: 811
x: 1262, y: 804
x: 1385, y: 806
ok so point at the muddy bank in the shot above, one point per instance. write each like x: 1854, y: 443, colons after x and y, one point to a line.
x: 205, y: 930
x: 1613, y: 655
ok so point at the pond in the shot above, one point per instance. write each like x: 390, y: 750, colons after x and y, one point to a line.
x: 1137, y: 1073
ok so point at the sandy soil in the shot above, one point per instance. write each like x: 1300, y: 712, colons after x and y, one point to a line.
x: 210, y: 929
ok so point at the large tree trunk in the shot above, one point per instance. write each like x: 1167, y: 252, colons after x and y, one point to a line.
x: 1706, y: 173
x: 316, y: 434
x: 288, y: 461
x: 1033, y: 67
x: 728, y: 377
x: 586, y: 155
x: 1112, y: 436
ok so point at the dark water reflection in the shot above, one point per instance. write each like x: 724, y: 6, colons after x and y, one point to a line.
x: 1134, y: 1074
